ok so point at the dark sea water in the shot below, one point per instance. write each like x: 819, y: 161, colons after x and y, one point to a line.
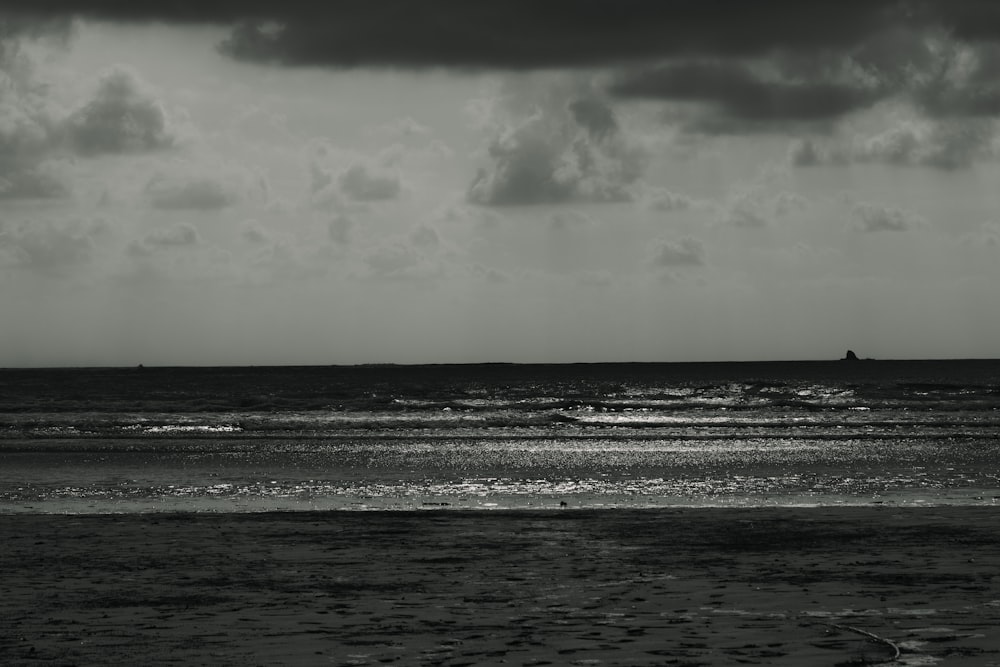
x: 500, y: 436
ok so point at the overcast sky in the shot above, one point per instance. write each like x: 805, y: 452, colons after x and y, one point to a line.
x: 259, y: 182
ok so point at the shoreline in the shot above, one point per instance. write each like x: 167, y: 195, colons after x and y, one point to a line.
x: 225, y: 504
x: 681, y: 585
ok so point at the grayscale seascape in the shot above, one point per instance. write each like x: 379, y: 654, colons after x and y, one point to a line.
x: 454, y: 333
x: 499, y: 436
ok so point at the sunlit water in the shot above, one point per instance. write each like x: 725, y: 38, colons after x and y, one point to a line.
x: 483, y: 437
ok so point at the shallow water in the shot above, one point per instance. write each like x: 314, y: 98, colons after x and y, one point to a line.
x: 631, y: 435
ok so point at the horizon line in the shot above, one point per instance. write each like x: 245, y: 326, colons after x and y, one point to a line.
x: 390, y: 364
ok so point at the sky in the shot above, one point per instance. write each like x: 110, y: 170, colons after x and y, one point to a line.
x: 386, y: 181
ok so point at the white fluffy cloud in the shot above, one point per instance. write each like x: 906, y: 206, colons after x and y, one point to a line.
x: 338, y: 176
x: 420, y: 256
x: 687, y: 251
x: 45, y: 180
x: 123, y: 116
x: 877, y: 218
x: 200, y: 193
x: 29, y: 131
x: 946, y: 144
x: 943, y: 144
x: 665, y: 200
x: 759, y: 203
x: 364, y: 183
x: 558, y: 144
x: 48, y: 247
x: 179, y: 235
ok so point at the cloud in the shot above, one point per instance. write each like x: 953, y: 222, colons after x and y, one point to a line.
x: 656, y: 198
x: 805, y: 153
x: 986, y: 235
x: 521, y: 35
x: 48, y: 247
x: 687, y: 251
x: 594, y: 115
x: 39, y: 138
x: 121, y: 117
x: 750, y: 208
x: 746, y: 213
x: 569, y: 220
x: 253, y: 233
x: 179, y: 235
x: 25, y: 123
x: 896, y: 145
x: 364, y: 183
x: 29, y: 123
x: 425, y: 237
x: 392, y: 260
x: 737, y: 95
x: 961, y: 80
x: 399, y: 260
x: 556, y: 145
x: 786, y: 203
x: 42, y: 181
x: 755, y: 65
x: 399, y: 129
x: 20, y: 20
x: 671, y: 201
x: 340, y: 228
x: 875, y: 218
x: 203, y: 182
x: 420, y: 256
x: 518, y: 34
x: 943, y: 144
x: 759, y: 202
x: 958, y: 143
x: 195, y: 193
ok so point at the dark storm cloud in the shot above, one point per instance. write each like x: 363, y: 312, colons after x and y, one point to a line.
x: 523, y: 34
x: 519, y: 34
x: 23, y: 23
x: 741, y: 95
x: 822, y: 59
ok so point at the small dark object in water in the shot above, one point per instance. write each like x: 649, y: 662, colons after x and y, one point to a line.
x: 562, y: 503
x: 850, y: 356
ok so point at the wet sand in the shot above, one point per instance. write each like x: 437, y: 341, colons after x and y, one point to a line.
x: 771, y: 586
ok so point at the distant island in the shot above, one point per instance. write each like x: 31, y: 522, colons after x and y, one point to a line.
x: 850, y: 356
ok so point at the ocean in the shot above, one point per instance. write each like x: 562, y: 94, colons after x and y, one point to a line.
x: 499, y: 436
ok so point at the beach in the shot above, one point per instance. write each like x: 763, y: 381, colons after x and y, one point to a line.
x: 685, y: 586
